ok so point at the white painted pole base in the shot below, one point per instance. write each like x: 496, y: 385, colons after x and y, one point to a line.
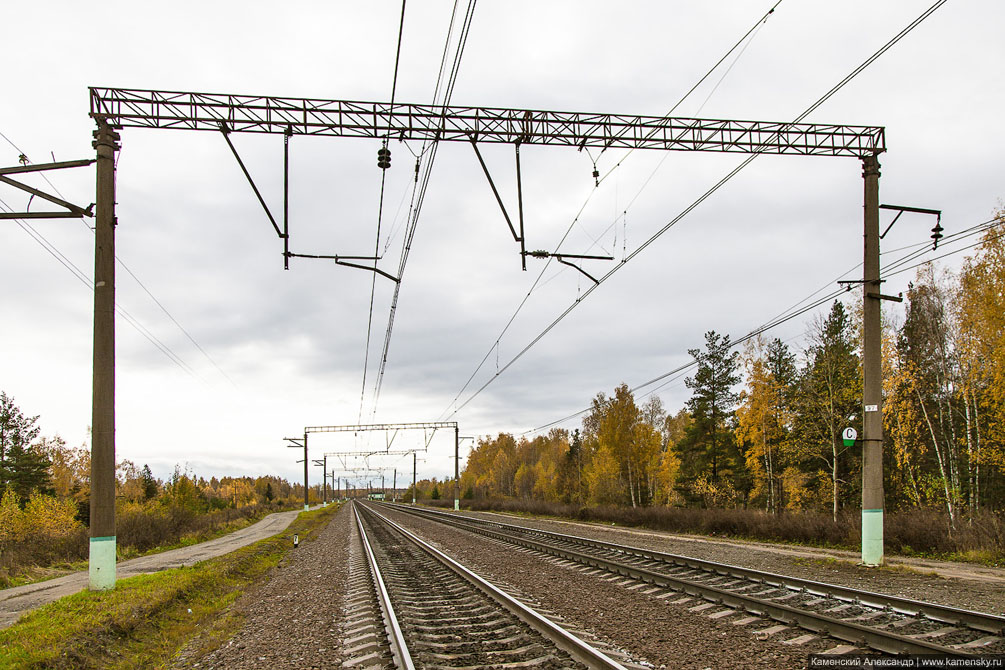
x: 872, y: 537
x: 457, y: 505
x: 101, y: 564
x: 307, y: 508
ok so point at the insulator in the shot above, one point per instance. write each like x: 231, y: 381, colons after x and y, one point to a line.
x: 383, y: 158
x: 936, y: 235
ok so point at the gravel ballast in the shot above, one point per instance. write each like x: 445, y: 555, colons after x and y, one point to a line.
x: 653, y: 631
x: 293, y: 620
x: 963, y: 585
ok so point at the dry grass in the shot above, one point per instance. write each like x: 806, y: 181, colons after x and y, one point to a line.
x: 139, y: 530
x: 923, y: 532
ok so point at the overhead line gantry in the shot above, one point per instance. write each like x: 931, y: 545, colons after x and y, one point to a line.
x: 116, y: 108
x: 136, y: 108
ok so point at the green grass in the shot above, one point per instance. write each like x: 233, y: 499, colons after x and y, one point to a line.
x: 147, y: 619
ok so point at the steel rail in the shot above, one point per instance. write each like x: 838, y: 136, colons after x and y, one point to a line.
x: 820, y: 623
x: 989, y: 623
x: 563, y: 639
x: 399, y: 649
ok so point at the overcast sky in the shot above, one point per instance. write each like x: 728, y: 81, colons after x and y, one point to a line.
x: 290, y: 344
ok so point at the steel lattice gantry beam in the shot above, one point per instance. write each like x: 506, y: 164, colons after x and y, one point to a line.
x: 356, y: 428
x: 135, y: 108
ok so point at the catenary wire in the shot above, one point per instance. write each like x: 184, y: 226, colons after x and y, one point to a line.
x: 417, y: 193
x: 695, y: 204
x: 53, y: 251
x: 380, y: 217
x: 410, y: 235
x: 537, y: 281
x: 133, y: 275
x: 788, y: 315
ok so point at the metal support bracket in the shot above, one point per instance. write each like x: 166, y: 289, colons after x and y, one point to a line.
x: 936, y: 231
x: 880, y: 296
x: 516, y: 237
x: 226, y: 135
x: 561, y: 258
x: 72, y: 211
x: 286, y: 197
x: 519, y: 204
x: 342, y: 260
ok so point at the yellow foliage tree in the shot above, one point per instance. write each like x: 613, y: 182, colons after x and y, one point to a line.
x: 981, y: 345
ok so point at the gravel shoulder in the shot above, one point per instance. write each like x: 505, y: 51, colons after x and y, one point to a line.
x: 963, y: 585
x: 292, y: 620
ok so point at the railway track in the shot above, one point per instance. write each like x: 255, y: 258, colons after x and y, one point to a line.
x: 411, y: 606
x: 883, y: 623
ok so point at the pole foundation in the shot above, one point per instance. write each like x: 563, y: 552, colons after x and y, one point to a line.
x: 872, y: 537
x: 101, y: 564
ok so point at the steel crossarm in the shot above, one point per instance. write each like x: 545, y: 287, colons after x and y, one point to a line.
x: 138, y: 108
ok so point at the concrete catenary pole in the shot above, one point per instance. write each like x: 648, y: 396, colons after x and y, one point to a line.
x: 101, y: 555
x: 872, y: 355
x: 414, y: 460
x: 307, y: 504
x: 457, y: 469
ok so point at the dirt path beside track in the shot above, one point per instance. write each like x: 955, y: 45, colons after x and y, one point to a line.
x: 18, y: 600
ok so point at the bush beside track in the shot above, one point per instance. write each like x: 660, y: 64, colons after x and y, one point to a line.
x: 919, y: 532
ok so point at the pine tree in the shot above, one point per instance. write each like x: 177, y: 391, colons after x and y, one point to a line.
x: 23, y: 468
x: 150, y: 488
x: 713, y: 401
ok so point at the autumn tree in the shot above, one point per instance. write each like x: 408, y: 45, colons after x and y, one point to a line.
x: 928, y: 362
x: 764, y: 415
x: 980, y: 314
x: 623, y: 450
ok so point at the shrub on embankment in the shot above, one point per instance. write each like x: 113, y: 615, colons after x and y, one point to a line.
x: 909, y: 532
x: 46, y: 532
x: 148, y: 619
